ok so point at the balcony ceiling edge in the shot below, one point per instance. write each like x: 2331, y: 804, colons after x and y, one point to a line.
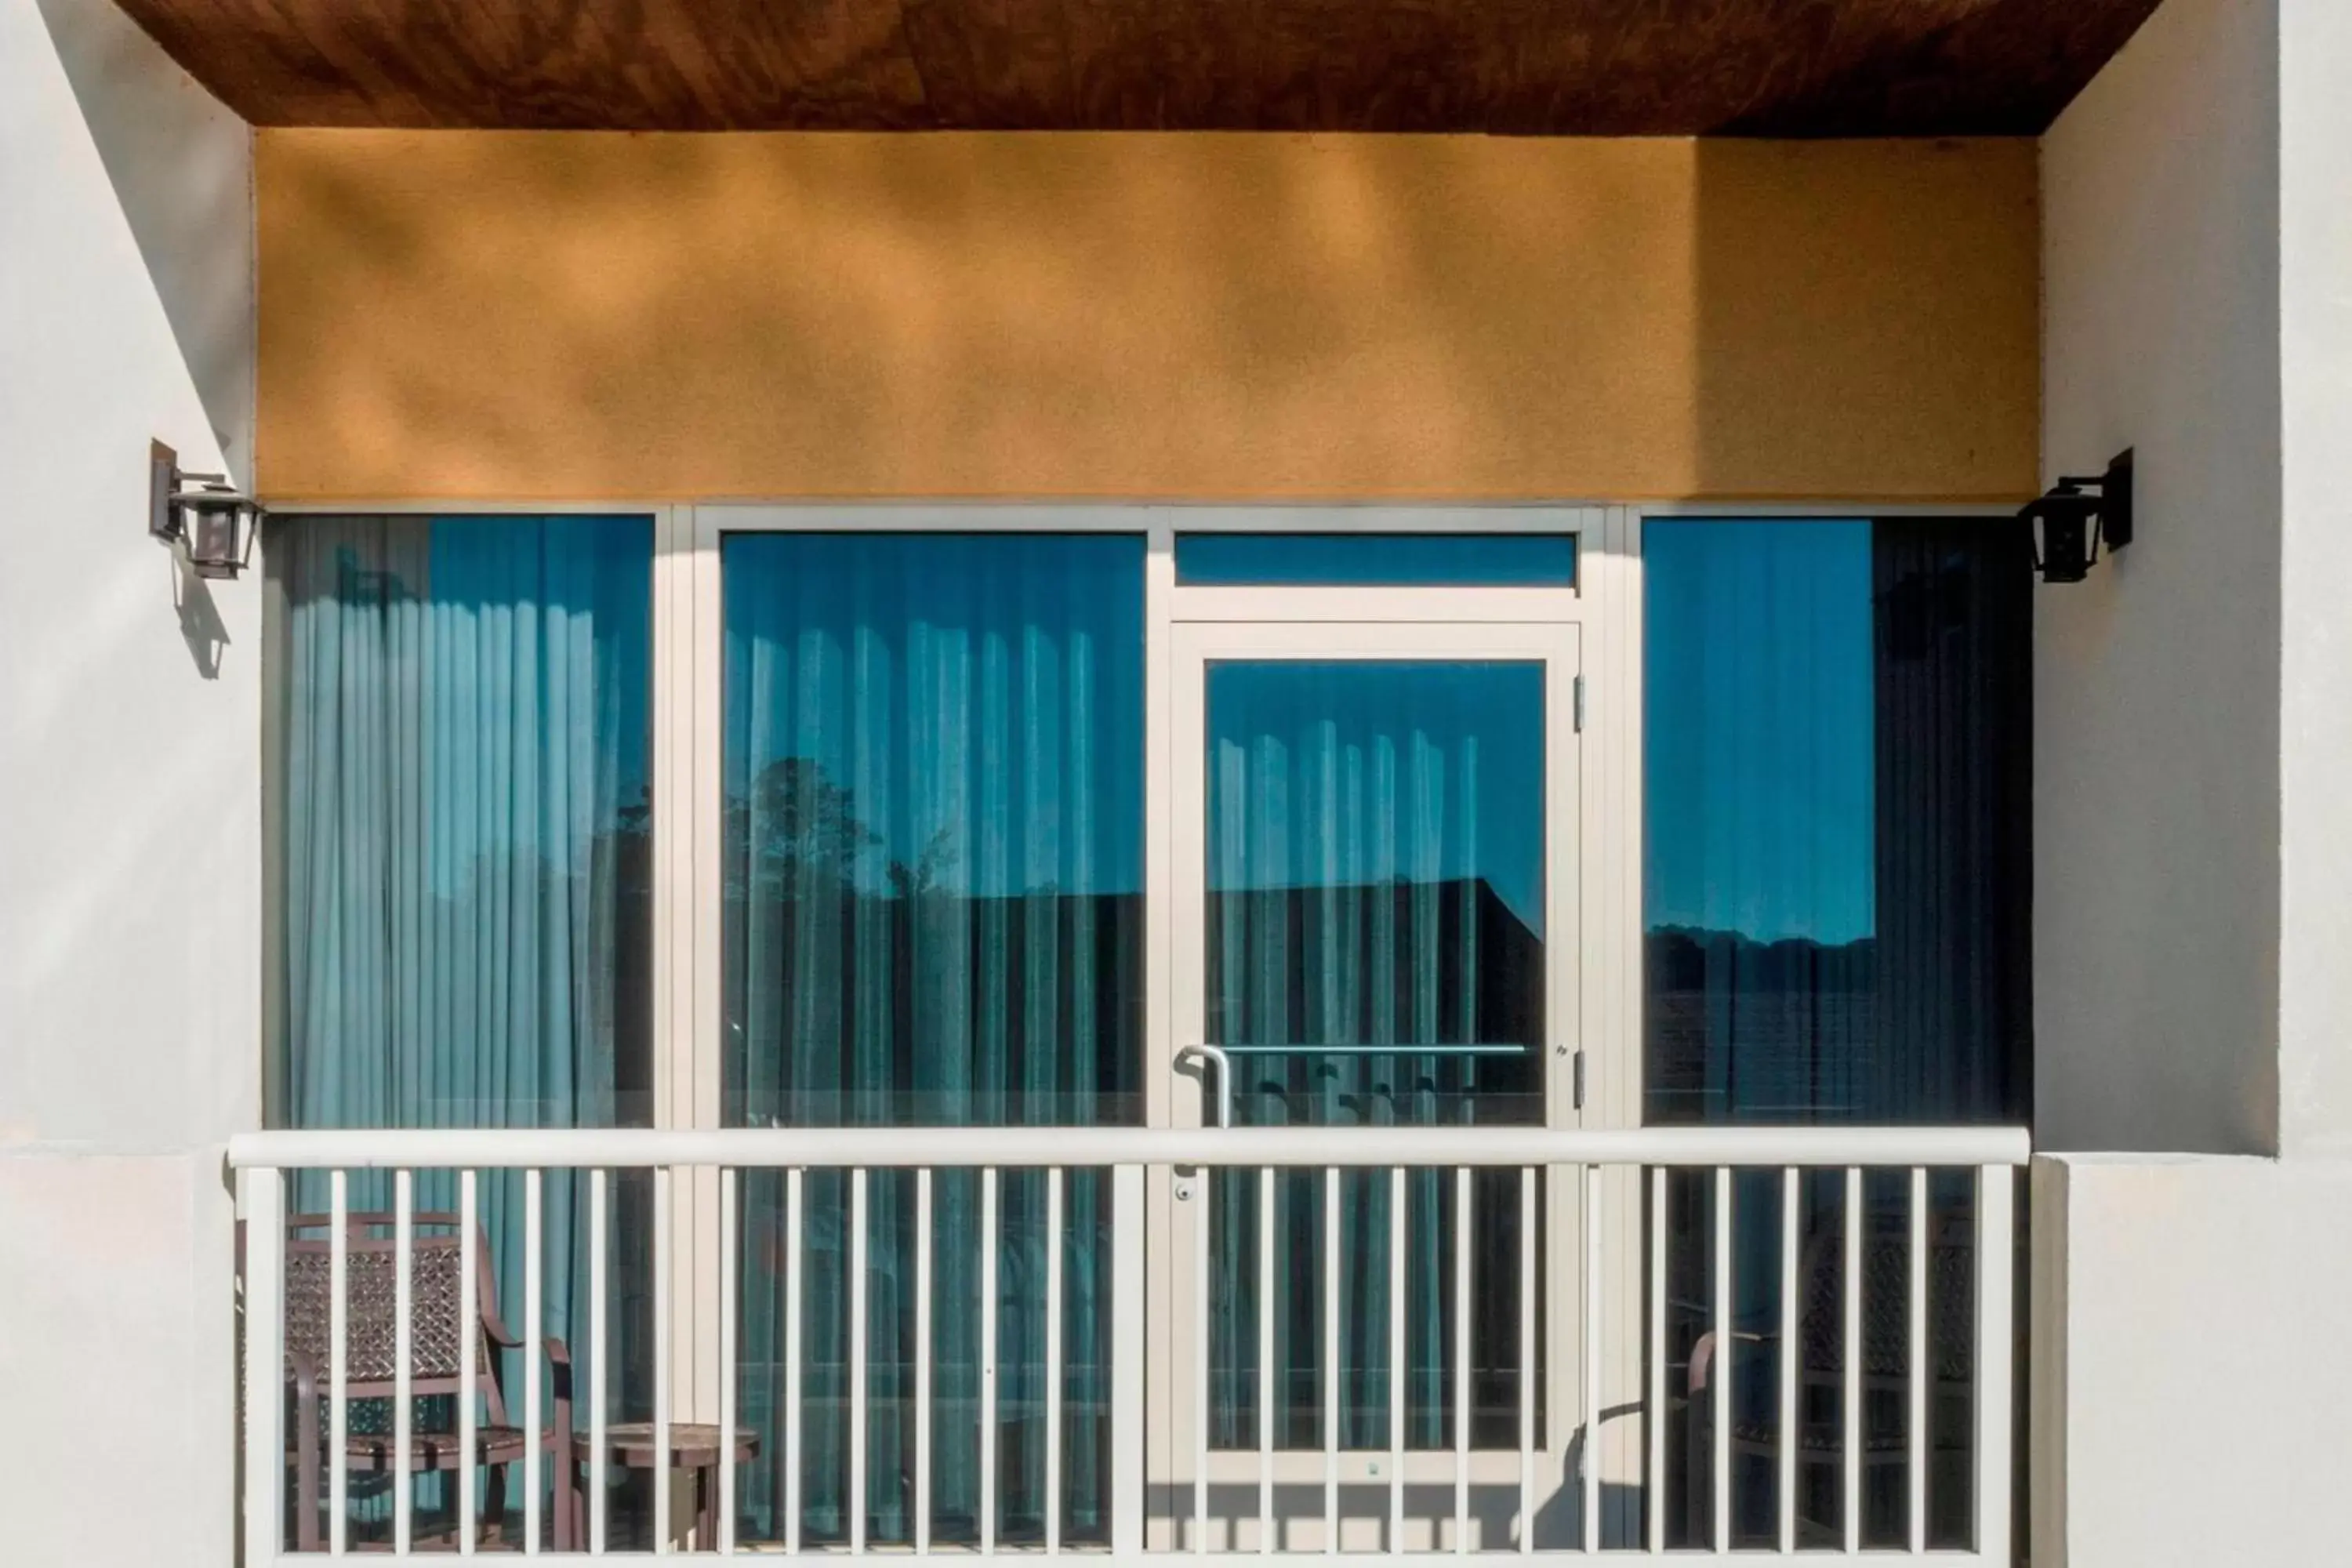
x: 1605, y: 67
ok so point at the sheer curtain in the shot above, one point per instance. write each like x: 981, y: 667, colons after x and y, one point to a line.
x: 1839, y: 739
x: 1375, y: 879
x: 458, y: 786
x: 933, y: 848
x: 1839, y: 735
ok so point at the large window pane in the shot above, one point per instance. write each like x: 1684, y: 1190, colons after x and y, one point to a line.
x: 460, y: 904
x: 1839, y: 892
x: 1839, y: 732
x: 933, y: 781
x: 459, y: 788
x: 934, y: 822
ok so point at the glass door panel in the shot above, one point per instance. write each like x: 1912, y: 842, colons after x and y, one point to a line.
x: 1374, y: 949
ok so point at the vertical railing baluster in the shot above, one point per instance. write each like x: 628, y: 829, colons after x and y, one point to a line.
x: 339, y: 1360
x: 1128, y: 1360
x: 1206, y: 1186
x: 1463, y: 1220
x: 1588, y: 1513
x: 729, y: 1306
x: 857, y: 1360
x: 469, y: 1333
x: 1720, y: 1385
x: 1266, y: 1415
x: 1054, y: 1361
x: 664, y: 1190
x: 1526, y: 1359
x: 1918, y: 1389
x: 263, y: 1192
x: 1852, y: 1534
x: 1654, y: 1414
x: 923, y: 1360
x: 403, y: 1257
x: 1996, y: 1349
x: 1792, y: 1317
x: 533, y: 1399
x: 795, y: 1411
x: 992, y: 1238
x: 600, y: 1390
x: 1330, y: 1359
x: 1399, y: 1380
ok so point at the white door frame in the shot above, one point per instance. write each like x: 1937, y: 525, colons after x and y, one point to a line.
x: 1420, y: 627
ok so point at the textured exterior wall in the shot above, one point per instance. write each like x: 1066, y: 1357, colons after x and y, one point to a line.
x: 129, y: 797
x: 2157, y: 737
x: 585, y: 314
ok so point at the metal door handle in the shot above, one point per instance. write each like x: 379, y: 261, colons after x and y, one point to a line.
x: 1225, y: 1077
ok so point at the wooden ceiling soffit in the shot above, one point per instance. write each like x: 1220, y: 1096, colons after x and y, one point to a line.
x: 1775, y: 67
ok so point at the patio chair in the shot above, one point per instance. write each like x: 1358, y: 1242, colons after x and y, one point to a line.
x: 436, y: 1304
x: 1820, y: 1358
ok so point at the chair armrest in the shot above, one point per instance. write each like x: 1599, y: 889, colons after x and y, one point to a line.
x: 558, y: 1365
x: 306, y: 1374
x: 495, y: 1329
x: 1705, y: 1312
x: 1702, y: 1356
x: 565, y: 1444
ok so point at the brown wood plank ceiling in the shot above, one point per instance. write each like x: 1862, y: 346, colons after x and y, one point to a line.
x: 1773, y: 68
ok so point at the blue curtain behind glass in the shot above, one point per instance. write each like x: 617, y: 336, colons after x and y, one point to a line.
x: 933, y: 775
x: 460, y: 783
x: 1839, y: 882
x: 1760, y: 877
x: 1839, y: 733
x: 1375, y: 878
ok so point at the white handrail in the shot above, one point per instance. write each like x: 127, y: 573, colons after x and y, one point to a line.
x: 752, y: 1148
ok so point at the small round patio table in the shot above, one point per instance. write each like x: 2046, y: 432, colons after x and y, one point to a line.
x: 693, y: 1446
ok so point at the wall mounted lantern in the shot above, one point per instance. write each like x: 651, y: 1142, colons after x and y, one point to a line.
x: 2079, y: 516
x: 203, y: 514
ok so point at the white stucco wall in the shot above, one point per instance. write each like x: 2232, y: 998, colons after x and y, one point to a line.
x: 2191, y: 1395
x: 2156, y: 719
x: 2316, y: 685
x: 130, y: 841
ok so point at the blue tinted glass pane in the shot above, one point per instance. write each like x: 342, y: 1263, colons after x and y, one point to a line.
x: 1839, y: 871
x: 933, y: 853
x: 1375, y: 930
x: 1375, y: 872
x: 933, y: 766
x: 464, y: 712
x: 1760, y: 877
x: 1839, y: 785
x: 459, y: 768
x: 1379, y: 559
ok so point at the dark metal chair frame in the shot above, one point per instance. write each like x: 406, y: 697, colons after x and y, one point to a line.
x: 435, y: 1362
x: 1820, y: 1354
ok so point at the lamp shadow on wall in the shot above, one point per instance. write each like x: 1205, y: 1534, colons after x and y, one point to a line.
x: 201, y: 625
x: 178, y: 164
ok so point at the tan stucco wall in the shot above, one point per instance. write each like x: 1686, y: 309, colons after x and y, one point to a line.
x: 543, y: 315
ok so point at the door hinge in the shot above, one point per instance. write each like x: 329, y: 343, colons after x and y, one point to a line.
x: 1580, y: 705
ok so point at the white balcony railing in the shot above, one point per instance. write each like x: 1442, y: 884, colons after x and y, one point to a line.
x: 1730, y: 1484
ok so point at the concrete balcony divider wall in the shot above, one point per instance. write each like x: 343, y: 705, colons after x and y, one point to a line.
x: 2193, y: 701
x: 129, y: 797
